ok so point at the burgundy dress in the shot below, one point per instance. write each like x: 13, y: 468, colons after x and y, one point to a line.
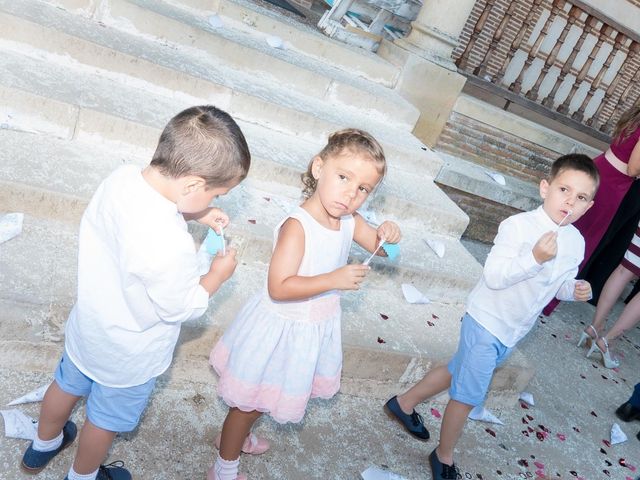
x: 613, y: 187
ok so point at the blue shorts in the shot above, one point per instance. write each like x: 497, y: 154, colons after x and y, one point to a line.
x: 479, y: 354
x: 109, y: 408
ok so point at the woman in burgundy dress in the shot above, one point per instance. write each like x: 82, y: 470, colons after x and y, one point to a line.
x: 618, y: 166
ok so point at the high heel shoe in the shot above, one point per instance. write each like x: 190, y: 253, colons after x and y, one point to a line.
x: 606, y: 355
x: 584, y: 336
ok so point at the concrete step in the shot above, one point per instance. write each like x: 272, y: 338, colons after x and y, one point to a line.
x: 200, y: 63
x: 382, y: 354
x: 71, y: 103
x: 55, y: 179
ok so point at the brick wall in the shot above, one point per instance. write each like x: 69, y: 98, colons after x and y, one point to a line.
x: 483, y: 144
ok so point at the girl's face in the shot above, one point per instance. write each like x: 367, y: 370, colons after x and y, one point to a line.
x: 344, y: 182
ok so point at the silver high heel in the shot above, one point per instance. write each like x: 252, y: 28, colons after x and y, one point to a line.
x: 584, y: 336
x: 606, y: 356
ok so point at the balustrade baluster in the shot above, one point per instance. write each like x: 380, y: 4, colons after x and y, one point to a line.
x: 604, y: 31
x: 516, y: 86
x: 566, y: 67
x: 464, y: 58
x: 551, y: 58
x: 618, y: 42
x: 481, y: 69
x: 595, y: 118
x: 634, y: 48
x: 517, y: 41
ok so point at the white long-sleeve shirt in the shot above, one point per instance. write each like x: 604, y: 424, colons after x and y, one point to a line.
x: 514, y: 288
x: 138, y: 281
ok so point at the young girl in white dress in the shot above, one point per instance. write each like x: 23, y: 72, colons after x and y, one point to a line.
x: 284, y: 346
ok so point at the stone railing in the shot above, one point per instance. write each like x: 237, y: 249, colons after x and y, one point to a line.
x: 560, y: 58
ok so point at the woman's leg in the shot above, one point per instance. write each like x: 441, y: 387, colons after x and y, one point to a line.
x: 627, y: 320
x: 611, y: 291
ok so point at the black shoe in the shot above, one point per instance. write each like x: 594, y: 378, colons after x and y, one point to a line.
x: 627, y: 412
x: 442, y: 471
x: 413, y: 423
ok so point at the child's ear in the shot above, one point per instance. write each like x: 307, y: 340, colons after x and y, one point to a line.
x: 193, y: 183
x: 316, y: 167
x: 544, y: 188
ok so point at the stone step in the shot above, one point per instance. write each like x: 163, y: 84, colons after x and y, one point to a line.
x: 382, y: 354
x: 55, y: 179
x: 96, y: 109
x: 293, y: 96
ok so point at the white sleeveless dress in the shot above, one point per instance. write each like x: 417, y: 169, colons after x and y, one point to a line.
x: 277, y: 355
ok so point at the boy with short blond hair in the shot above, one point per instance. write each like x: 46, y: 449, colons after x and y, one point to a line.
x: 138, y: 281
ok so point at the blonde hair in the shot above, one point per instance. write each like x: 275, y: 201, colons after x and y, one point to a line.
x: 629, y: 121
x: 351, y: 139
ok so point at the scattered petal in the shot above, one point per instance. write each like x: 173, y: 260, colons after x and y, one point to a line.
x: 268, y: 199
x: 252, y: 221
x: 594, y: 413
x: 582, y: 376
x: 523, y: 463
x: 430, y: 323
x: 607, y: 443
x: 540, y: 465
x: 434, y: 316
x: 524, y: 405
x: 490, y: 432
x: 561, y: 437
x: 384, y: 317
x: 436, y: 413
x: 381, y: 340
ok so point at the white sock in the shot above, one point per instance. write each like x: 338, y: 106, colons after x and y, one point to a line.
x: 77, y: 476
x: 47, y: 445
x: 224, y: 469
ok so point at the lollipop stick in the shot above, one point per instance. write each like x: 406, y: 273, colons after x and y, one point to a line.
x: 366, y: 262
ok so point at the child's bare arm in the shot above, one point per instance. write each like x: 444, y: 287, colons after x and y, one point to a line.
x: 285, y: 284
x: 368, y: 237
x: 222, y: 267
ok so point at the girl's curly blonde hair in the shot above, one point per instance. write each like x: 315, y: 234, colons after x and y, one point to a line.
x: 352, y: 139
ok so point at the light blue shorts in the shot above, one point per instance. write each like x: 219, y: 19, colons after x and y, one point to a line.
x: 479, y: 354
x: 109, y: 408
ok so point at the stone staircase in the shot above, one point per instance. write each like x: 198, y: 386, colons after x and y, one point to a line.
x: 88, y: 85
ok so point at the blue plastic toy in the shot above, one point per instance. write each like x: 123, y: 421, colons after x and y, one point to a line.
x: 214, y: 242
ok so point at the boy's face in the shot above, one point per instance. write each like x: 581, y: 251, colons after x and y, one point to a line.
x: 570, y: 191
x: 195, y: 195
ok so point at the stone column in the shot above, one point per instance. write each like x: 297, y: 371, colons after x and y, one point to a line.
x: 429, y: 78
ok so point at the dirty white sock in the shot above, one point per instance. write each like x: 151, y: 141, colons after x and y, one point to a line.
x: 47, y: 445
x: 77, y: 476
x: 225, y: 469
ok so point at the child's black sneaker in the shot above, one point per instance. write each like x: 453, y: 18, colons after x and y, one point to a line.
x: 442, y: 471
x: 112, y: 471
x: 34, y: 461
x: 413, y: 423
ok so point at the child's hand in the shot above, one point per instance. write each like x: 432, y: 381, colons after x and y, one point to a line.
x: 582, y: 291
x: 224, y: 265
x: 214, y: 218
x: 546, y: 247
x: 389, y: 231
x: 349, y: 277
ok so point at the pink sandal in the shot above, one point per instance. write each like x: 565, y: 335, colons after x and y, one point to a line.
x: 252, y: 445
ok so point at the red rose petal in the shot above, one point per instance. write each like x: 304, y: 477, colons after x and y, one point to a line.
x: 252, y: 221
x: 434, y: 316
x: 381, y: 340
x: 490, y: 432
x: 524, y: 405
x: 267, y: 199
x: 540, y: 465
x: 561, y: 437
x: 594, y: 413
x: 607, y: 443
x: 384, y: 317
x: 430, y: 323
x: 435, y: 413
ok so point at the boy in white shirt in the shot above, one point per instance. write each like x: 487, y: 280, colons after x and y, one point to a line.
x: 535, y: 257
x: 138, y: 281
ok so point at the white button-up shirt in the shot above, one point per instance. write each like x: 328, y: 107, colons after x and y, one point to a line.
x: 514, y: 288
x: 138, y: 281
